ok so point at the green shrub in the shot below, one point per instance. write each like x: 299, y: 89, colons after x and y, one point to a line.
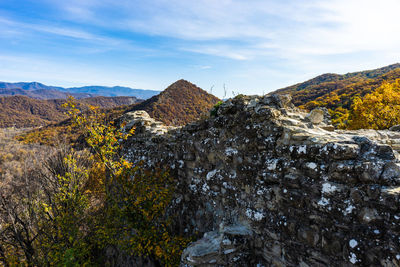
x: 214, y: 110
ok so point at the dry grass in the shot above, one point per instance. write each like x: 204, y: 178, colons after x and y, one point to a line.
x: 15, y: 157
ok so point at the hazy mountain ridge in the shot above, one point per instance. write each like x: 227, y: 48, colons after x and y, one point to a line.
x: 114, y: 91
x: 28, y: 86
x: 42, y: 91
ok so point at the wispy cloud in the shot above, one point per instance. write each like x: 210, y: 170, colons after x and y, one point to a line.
x: 201, y: 67
x: 99, y: 42
x: 219, y: 51
x: 288, y: 28
x: 68, y: 32
x: 246, y: 42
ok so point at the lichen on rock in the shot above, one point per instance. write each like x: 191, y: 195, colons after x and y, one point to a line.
x: 300, y: 193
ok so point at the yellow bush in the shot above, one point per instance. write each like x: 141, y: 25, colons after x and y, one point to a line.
x: 135, y: 199
x: 377, y: 110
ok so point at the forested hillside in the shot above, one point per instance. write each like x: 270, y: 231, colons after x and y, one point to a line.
x: 338, y: 92
x: 62, y: 207
x: 182, y: 102
x: 22, y: 111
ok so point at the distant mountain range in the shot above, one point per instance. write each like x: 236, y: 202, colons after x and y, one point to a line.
x: 41, y: 91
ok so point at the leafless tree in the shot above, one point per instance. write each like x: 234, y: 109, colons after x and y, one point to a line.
x: 224, y: 92
x: 211, y: 89
x: 21, y: 223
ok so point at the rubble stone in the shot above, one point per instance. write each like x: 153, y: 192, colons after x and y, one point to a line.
x: 263, y: 184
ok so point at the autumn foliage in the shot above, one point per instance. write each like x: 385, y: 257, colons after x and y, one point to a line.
x: 136, y: 199
x: 338, y: 92
x: 22, y: 111
x: 378, y: 110
x: 181, y: 103
x: 75, y: 205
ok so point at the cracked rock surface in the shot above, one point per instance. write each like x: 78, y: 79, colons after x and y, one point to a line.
x: 263, y: 184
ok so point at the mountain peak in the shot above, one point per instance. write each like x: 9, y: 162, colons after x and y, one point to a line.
x: 35, y: 84
x: 180, y: 85
x: 180, y: 103
x: 180, y: 82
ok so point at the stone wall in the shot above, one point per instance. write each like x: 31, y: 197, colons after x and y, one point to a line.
x: 263, y: 184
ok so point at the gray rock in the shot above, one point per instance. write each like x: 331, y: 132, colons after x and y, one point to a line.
x: 395, y: 128
x: 266, y: 184
x: 315, y: 116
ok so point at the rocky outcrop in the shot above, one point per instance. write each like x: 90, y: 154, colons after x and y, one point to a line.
x: 143, y: 123
x: 263, y: 184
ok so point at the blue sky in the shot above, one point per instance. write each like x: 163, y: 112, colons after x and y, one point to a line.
x: 252, y: 47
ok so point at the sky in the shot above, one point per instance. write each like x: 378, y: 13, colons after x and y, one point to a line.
x: 247, y: 46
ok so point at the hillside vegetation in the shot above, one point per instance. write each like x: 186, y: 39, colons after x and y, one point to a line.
x: 179, y: 104
x: 182, y: 102
x: 62, y: 207
x: 378, y: 110
x: 22, y: 111
x: 338, y: 92
x: 64, y: 131
x: 13, y: 154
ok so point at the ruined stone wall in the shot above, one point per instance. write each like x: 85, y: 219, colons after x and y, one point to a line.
x: 263, y: 184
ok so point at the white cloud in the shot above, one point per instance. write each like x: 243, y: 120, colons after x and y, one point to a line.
x: 97, y: 43
x: 219, y: 51
x: 264, y: 41
x: 68, y: 32
x: 202, y: 67
x: 287, y: 29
